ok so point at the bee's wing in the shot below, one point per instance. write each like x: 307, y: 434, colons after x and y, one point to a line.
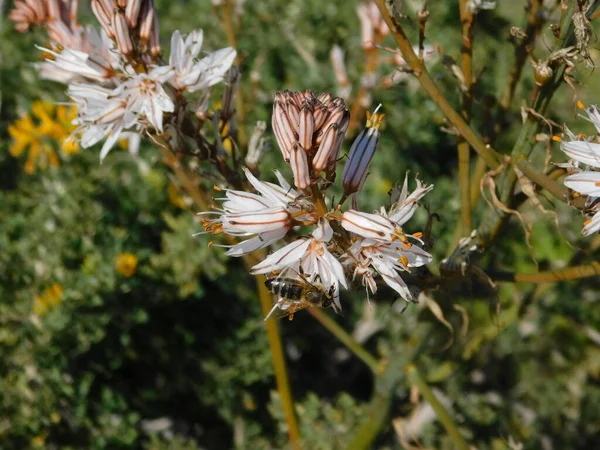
x: 285, y: 307
x: 290, y: 272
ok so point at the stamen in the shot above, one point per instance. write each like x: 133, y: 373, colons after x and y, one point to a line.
x: 217, y: 188
x: 576, y: 195
x: 556, y: 138
x: 587, y: 222
x: 403, y: 260
x: 418, y: 234
x: 580, y: 104
x: 407, y: 244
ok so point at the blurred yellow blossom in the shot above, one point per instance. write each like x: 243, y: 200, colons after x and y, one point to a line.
x: 52, y: 296
x: 126, y: 264
x: 38, y: 441
x: 41, y: 131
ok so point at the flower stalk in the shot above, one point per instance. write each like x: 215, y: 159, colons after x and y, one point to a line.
x: 415, y: 378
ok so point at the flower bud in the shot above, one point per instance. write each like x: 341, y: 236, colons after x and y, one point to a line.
x: 299, y: 165
x: 327, y: 146
x: 124, y: 42
x: 306, y: 128
x: 361, y: 153
x: 147, y: 20
x: 132, y: 12
x: 154, y: 43
x: 104, y: 17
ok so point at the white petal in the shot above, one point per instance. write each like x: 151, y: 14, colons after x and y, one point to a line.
x: 260, y: 221
x: 593, y: 226
x: 392, y: 279
x: 323, y: 232
x: 582, y: 151
x: 403, y: 211
x: 372, y: 226
x: 255, y: 243
x: 286, y: 256
x: 176, y: 56
x: 587, y: 183
x: 336, y: 268
x: 110, y: 142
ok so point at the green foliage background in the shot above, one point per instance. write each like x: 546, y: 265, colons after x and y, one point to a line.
x: 176, y: 357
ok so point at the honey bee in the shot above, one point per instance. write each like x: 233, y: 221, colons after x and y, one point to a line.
x: 295, y: 293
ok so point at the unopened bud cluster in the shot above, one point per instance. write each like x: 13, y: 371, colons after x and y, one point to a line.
x: 310, y: 130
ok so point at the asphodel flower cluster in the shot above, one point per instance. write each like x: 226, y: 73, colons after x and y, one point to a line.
x: 326, y: 246
x: 584, y: 171
x: 115, y: 75
x: 122, y: 86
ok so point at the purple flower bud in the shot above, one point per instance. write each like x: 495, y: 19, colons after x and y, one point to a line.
x: 361, y: 153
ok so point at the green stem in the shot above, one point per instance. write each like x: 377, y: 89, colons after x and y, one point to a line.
x: 386, y: 383
x: 281, y: 376
x: 345, y: 338
x: 415, y: 378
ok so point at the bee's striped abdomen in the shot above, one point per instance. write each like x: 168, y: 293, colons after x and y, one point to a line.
x: 285, y: 288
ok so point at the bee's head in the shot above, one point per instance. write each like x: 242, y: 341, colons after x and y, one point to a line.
x: 314, y: 296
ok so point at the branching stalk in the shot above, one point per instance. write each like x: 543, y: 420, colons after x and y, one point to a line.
x: 570, y: 273
x: 415, y: 379
x: 420, y: 71
x: 346, y: 339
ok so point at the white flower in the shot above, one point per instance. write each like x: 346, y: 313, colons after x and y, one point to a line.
x: 267, y: 216
x: 592, y: 210
x: 146, y: 97
x: 77, y: 55
x: 192, y: 74
x: 586, y: 182
x: 69, y: 64
x: 388, y: 259
x: 311, y: 257
x: 404, y: 205
x: 387, y: 226
x: 100, y: 114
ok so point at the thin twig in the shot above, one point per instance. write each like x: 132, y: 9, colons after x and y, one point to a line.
x: 415, y: 378
x: 346, y: 339
x: 466, y: 19
x: 420, y: 71
x: 534, y: 24
x: 570, y: 273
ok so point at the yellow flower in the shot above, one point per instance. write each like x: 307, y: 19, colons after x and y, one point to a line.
x: 126, y: 264
x: 52, y: 124
x: 52, y: 296
x: 38, y: 441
